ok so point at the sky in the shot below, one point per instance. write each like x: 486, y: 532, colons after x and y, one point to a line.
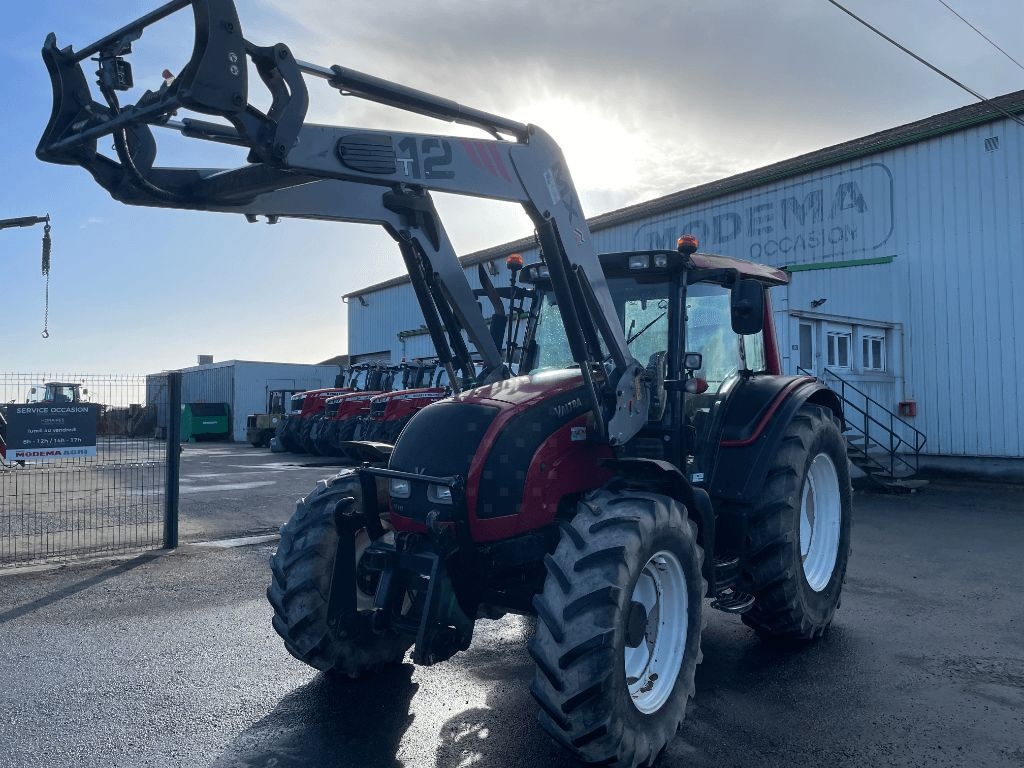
x: 645, y: 98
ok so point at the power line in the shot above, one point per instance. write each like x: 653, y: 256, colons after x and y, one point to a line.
x: 928, y: 64
x: 989, y: 39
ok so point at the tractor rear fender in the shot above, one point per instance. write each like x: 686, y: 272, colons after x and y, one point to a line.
x: 759, y: 411
x: 665, y: 478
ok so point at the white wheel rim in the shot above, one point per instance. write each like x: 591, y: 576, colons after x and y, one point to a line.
x: 653, y: 665
x: 820, y: 517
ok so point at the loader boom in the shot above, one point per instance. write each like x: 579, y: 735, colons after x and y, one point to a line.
x: 304, y: 170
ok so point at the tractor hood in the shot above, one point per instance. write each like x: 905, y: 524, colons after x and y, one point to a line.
x: 410, y: 394
x: 524, y: 391
x: 496, y: 437
x: 346, y: 406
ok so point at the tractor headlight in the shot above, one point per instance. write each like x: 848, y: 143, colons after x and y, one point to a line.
x: 399, y: 488
x: 660, y: 260
x: 639, y: 261
x: 439, y: 494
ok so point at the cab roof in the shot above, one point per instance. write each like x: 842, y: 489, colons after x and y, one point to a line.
x: 672, y: 261
x: 746, y: 268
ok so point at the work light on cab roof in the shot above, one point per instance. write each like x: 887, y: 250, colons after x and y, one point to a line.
x: 688, y: 244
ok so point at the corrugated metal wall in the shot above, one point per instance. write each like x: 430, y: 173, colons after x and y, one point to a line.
x: 243, y: 385
x: 253, y: 382
x: 944, y: 214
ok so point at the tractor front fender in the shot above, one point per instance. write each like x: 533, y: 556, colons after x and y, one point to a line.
x: 758, y: 413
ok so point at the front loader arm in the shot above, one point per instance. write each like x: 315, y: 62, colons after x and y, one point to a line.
x: 305, y: 170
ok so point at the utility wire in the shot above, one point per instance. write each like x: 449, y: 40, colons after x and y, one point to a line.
x: 928, y: 64
x: 989, y: 39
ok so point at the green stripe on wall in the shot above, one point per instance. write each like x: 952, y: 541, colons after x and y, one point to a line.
x: 839, y: 264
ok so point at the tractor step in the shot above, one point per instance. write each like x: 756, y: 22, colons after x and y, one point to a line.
x: 727, y: 571
x: 733, y: 601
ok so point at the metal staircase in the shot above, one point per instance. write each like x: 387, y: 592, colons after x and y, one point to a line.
x: 886, y: 448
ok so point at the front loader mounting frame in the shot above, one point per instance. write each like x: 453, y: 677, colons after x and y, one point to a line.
x: 305, y: 170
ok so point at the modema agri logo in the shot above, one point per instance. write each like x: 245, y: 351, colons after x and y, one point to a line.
x: 19, y: 454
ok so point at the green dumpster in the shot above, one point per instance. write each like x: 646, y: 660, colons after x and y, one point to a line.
x: 205, y: 420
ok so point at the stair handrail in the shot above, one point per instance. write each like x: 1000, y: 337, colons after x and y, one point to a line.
x: 895, y: 440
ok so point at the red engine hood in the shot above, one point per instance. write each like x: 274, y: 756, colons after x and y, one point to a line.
x: 523, y: 391
x: 315, y: 399
x: 402, y: 392
x: 349, y: 405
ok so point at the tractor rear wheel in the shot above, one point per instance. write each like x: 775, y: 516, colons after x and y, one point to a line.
x: 799, y: 532
x: 618, y: 636
x: 301, y: 584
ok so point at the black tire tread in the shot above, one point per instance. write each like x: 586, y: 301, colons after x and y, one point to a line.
x: 574, y: 645
x: 300, y: 584
x: 779, y: 611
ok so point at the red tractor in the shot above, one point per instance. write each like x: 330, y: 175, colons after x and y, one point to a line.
x: 389, y: 412
x: 341, y: 413
x: 340, y: 421
x: 293, y: 430
x: 648, y: 462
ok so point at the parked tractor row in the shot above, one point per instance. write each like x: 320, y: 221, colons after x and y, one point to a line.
x: 372, y: 406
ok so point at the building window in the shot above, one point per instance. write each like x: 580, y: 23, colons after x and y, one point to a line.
x: 874, y: 353
x: 839, y: 349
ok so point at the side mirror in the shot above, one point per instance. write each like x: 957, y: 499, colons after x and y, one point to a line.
x: 747, y: 307
x: 693, y: 361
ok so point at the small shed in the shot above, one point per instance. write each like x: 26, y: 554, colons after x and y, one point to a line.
x: 243, y: 385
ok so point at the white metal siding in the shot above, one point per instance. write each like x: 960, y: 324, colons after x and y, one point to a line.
x: 242, y: 384
x: 948, y: 212
x: 254, y: 380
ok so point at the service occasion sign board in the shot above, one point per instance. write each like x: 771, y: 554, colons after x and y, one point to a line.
x: 46, y: 431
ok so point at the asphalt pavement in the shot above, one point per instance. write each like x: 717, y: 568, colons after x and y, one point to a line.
x: 230, y: 489
x: 170, y: 660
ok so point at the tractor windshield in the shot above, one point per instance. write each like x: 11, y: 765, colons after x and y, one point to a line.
x: 643, y: 311
x: 61, y: 393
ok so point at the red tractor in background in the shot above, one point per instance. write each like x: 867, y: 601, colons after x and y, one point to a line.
x: 362, y: 427
x: 646, y: 462
x: 342, y: 412
x: 303, y: 407
x: 306, y: 409
x: 390, y: 412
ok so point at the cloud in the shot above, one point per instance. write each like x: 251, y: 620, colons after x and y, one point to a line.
x: 651, y: 97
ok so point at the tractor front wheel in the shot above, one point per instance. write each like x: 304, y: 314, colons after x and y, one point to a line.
x: 618, y: 636
x: 301, y: 583
x: 799, y: 533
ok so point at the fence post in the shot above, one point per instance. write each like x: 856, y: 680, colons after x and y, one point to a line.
x: 173, y: 458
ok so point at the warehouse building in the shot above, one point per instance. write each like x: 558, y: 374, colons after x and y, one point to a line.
x: 245, y: 386
x: 905, y: 248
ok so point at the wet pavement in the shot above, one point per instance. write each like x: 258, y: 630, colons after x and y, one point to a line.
x: 230, y: 489
x: 170, y: 660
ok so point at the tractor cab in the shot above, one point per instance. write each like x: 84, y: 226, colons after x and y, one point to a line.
x: 57, y: 392
x: 701, y: 323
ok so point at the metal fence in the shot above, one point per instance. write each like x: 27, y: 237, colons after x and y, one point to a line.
x: 123, y: 498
